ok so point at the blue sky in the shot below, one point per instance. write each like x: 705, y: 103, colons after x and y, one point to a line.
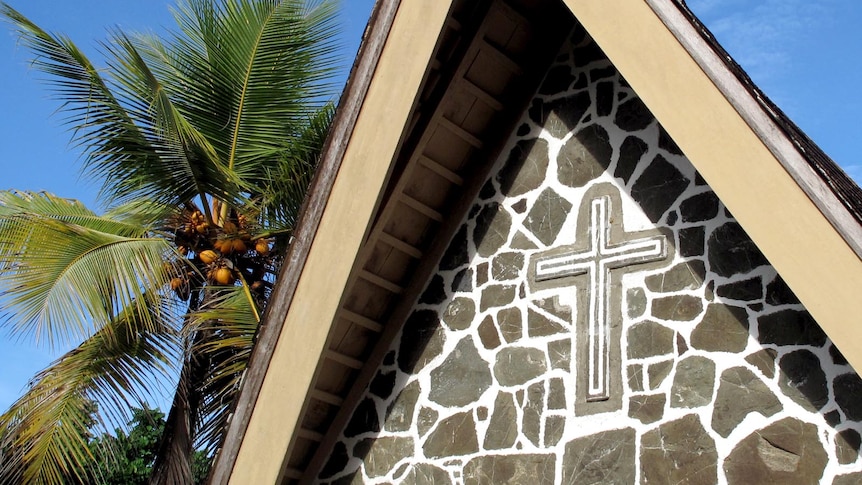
x: 804, y: 54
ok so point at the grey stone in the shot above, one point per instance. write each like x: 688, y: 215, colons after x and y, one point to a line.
x: 337, y: 461
x: 382, y: 384
x: 635, y: 377
x: 481, y: 274
x: 364, y: 419
x: 507, y: 266
x: 741, y: 392
x: 496, y: 296
x: 518, y: 365
x: 633, y: 115
x: 539, y: 325
x: 732, y: 252
x: 384, y: 453
x: 724, y: 328
x: 658, y: 188
x: 481, y: 413
x: 554, y: 428
x: 837, y: 357
x: 560, y: 354
x: 631, y: 152
x: 764, y: 360
x: 509, y: 321
x: 745, y: 290
x: 647, y: 408
x: 557, y: 80
x: 681, y: 345
x: 658, y: 372
x: 525, y: 167
x: 665, y: 142
x: 604, y: 98
x: 427, y: 474
x: 547, y: 216
x: 463, y: 281
x: 700, y: 207
x: 503, y: 427
x: 492, y: 229
x: 520, y: 241
x: 848, y: 388
x: 495, y: 469
x: 560, y: 116
x: 680, y: 451
x: 556, y: 393
x: 786, y: 452
x: 554, y: 307
x: 847, y: 444
x: 832, y: 418
x: 459, y: 313
x: 399, y: 414
x: 635, y: 302
x: 683, y: 276
x: 435, y: 292
x: 426, y: 420
x: 778, y: 293
x: 693, y: 382
x: 533, y: 410
x: 584, y: 157
x: 421, y: 341
x: 648, y: 339
x: 488, y: 333
x: 790, y: 327
x: 454, y: 436
x: 802, y: 379
x: 848, y: 479
x: 606, y: 457
x: 680, y: 308
x: 691, y: 241
x: 462, y: 378
x: 456, y: 254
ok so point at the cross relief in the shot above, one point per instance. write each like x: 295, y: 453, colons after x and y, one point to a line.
x: 594, y: 266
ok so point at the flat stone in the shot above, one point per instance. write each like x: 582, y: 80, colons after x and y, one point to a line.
x: 456, y: 254
x: 764, y: 360
x: 337, y: 461
x: 454, y: 436
x: 427, y: 474
x: 681, y: 345
x: 847, y: 444
x: 422, y: 341
x: 648, y: 339
x: 481, y: 274
x: 503, y: 427
x: 848, y: 479
x: 425, y: 420
x: 363, y: 420
x: 691, y: 241
x: 557, y: 80
x: 647, y: 408
x: 399, y: 414
x: 680, y: 308
x: 521, y: 241
x: 584, y: 157
x: 435, y: 292
x: 631, y: 152
x: 562, y: 115
x: 837, y: 357
x: 532, y: 413
x: 382, y: 384
x: 658, y: 372
x: 740, y: 392
x: 658, y: 187
x: 683, y: 276
x: 556, y: 393
x: 517, y: 365
x: 547, y: 216
x: 635, y: 302
x: 633, y: 115
x: 847, y: 389
x: 525, y: 167
x: 462, y: 378
x: 554, y: 307
x: 384, y: 453
x: 732, y: 252
x: 745, y: 290
x: 554, y: 428
x: 539, y: 325
x: 680, y: 451
x: 496, y: 296
x: 492, y: 229
x: 606, y: 457
x: 507, y: 266
x: 693, y: 382
x: 635, y: 377
x: 801, y: 378
x: 488, y: 333
x: 786, y: 452
x: 604, y: 98
x: 495, y: 469
x: 778, y: 293
x: 560, y: 354
x: 724, y: 328
x: 459, y: 313
x: 665, y: 142
x: 700, y: 207
x: 463, y: 281
x: 790, y: 327
x: 602, y: 73
x: 509, y: 322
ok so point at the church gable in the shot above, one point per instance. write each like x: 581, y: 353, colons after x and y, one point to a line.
x: 600, y: 317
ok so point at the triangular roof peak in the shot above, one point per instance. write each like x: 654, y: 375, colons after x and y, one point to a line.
x: 370, y: 233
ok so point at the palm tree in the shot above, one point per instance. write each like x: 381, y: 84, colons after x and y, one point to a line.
x: 204, y: 144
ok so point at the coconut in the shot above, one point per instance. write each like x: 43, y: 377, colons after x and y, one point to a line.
x: 224, y: 276
x: 238, y: 246
x: 262, y: 246
x: 208, y: 256
x: 177, y: 283
x: 229, y: 227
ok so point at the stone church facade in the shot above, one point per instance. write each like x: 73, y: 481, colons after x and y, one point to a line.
x: 600, y: 317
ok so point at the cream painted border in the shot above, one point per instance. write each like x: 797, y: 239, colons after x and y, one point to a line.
x: 808, y: 252
x: 375, y: 138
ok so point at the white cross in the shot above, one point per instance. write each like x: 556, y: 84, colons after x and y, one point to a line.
x: 597, y: 261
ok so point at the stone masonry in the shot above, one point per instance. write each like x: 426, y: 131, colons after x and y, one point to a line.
x: 693, y: 366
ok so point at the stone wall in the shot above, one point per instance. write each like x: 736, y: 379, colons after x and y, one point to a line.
x: 601, y: 318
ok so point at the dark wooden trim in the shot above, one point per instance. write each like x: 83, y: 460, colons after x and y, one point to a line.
x: 382, y: 18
